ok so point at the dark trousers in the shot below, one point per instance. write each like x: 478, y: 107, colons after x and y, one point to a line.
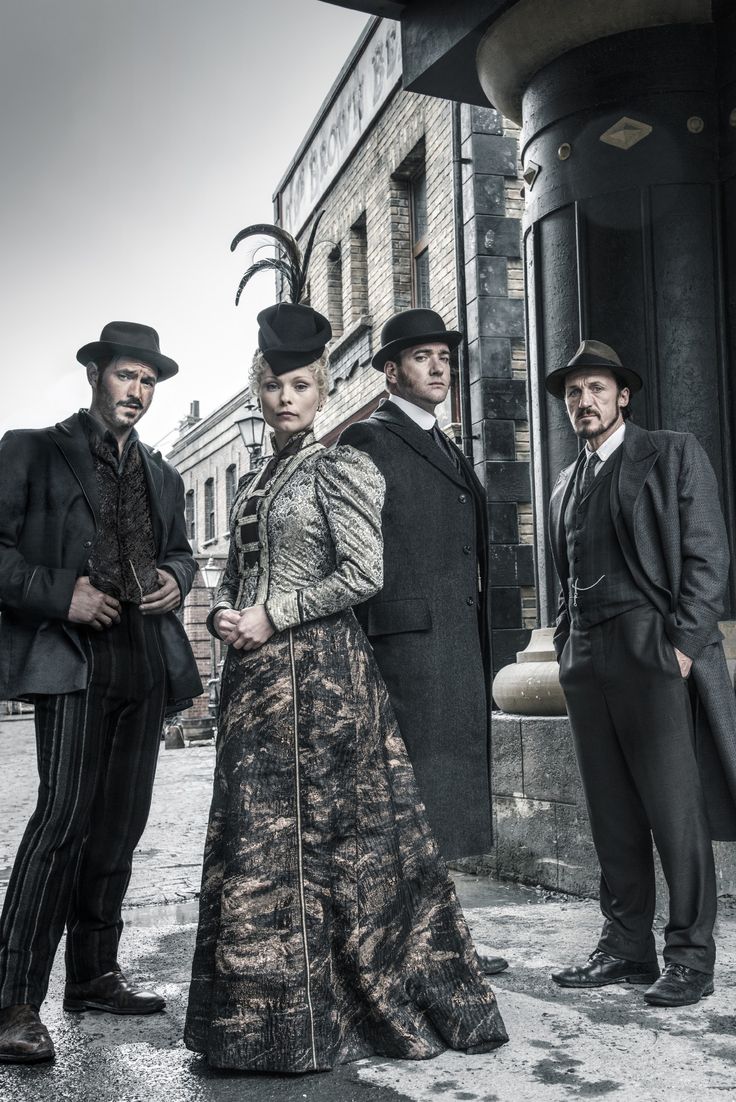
x: 97, y: 751
x: 631, y: 719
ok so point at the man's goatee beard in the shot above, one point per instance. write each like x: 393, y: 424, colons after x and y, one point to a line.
x: 590, y: 434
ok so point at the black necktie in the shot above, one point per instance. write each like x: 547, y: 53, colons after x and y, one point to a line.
x: 442, y: 442
x: 589, y: 473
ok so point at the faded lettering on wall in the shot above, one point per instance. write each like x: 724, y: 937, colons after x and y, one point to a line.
x: 356, y: 103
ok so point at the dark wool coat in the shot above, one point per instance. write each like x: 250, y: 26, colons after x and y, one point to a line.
x: 48, y: 520
x: 667, y: 515
x: 429, y: 626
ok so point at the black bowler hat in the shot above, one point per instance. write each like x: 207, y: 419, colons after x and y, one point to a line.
x: 410, y: 328
x: 593, y: 354
x: 291, y: 336
x: 128, y: 338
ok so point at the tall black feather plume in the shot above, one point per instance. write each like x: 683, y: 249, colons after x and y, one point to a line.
x: 268, y: 264
x: 308, y: 255
x: 290, y: 264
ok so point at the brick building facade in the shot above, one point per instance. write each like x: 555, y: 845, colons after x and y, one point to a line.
x: 422, y: 206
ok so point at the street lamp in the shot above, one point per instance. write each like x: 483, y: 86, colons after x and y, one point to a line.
x: 251, y: 428
x: 211, y: 576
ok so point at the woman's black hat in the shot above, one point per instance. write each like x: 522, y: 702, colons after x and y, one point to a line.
x: 409, y: 328
x: 290, y: 334
x: 593, y: 354
x: 129, y: 338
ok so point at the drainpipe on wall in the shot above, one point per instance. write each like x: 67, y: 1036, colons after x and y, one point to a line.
x: 462, y: 306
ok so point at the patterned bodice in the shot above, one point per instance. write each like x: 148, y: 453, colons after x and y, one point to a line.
x: 319, y: 538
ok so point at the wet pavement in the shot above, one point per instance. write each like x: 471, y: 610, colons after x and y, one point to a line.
x: 564, y: 1044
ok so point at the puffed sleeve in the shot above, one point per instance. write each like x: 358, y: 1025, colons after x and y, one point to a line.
x: 350, y: 492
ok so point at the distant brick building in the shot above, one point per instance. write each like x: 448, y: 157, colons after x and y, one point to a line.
x: 399, y: 175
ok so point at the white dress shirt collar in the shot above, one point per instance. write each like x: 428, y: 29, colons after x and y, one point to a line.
x: 608, y: 447
x: 416, y: 413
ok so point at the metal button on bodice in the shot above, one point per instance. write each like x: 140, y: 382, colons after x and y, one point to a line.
x: 462, y: 498
x: 470, y: 601
x: 466, y: 549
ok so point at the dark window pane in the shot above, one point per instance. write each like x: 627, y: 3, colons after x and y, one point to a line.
x: 421, y: 279
x: 419, y: 207
x: 230, y: 486
x: 189, y: 514
x: 209, y: 509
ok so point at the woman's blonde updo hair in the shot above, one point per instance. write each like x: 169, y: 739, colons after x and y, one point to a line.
x: 320, y: 369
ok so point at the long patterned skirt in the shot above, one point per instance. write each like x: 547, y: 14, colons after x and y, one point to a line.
x: 329, y: 928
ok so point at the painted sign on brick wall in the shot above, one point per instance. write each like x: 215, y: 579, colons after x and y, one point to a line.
x: 356, y: 102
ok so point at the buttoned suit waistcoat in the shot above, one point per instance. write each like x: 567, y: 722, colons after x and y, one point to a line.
x: 48, y: 521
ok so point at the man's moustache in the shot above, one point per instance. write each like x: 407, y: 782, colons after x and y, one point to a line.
x: 130, y: 405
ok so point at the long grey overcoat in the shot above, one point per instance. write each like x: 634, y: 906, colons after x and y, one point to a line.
x: 429, y: 626
x: 48, y: 521
x: 670, y: 526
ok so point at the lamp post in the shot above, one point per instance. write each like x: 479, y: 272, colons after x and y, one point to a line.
x: 211, y: 576
x: 251, y: 427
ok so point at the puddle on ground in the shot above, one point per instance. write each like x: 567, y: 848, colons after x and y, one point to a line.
x: 163, y: 914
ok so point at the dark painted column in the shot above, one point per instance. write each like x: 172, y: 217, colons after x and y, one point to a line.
x: 497, y: 365
x: 629, y: 238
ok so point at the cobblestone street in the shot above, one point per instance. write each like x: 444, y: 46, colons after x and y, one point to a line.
x: 564, y: 1044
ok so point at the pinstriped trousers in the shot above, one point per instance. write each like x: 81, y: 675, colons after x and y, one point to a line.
x: 97, y: 751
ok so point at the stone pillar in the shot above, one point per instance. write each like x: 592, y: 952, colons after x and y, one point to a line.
x: 497, y: 367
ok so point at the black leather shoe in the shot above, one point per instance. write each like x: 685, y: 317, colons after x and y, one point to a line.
x: 601, y: 969
x: 111, y: 993
x: 491, y: 966
x: 679, y: 986
x: 24, y: 1039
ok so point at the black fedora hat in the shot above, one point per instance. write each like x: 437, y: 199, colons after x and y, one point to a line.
x: 412, y: 327
x: 593, y: 354
x: 129, y: 338
x: 292, y: 336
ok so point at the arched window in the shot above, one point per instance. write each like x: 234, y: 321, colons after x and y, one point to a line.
x: 231, y: 482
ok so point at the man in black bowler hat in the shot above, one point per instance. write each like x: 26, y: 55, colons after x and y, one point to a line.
x: 94, y: 561
x: 429, y: 626
x: 640, y: 548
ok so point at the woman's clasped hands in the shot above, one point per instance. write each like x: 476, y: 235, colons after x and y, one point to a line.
x: 246, y: 630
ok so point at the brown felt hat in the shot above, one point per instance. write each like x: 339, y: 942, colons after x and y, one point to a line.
x: 593, y: 354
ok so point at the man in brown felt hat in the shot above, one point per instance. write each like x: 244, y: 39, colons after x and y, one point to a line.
x: 640, y: 548
x: 94, y: 560
x: 430, y: 627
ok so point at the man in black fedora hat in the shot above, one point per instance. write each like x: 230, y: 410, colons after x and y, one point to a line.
x: 429, y: 626
x: 94, y: 561
x: 640, y: 548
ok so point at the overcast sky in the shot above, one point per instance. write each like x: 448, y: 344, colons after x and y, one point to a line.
x: 136, y: 138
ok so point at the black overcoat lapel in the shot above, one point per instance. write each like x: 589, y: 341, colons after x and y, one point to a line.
x: 71, y: 440
x: 557, y: 506
x: 638, y: 456
x: 417, y: 438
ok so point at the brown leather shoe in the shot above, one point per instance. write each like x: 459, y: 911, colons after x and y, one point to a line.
x: 111, y: 993
x: 24, y: 1039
